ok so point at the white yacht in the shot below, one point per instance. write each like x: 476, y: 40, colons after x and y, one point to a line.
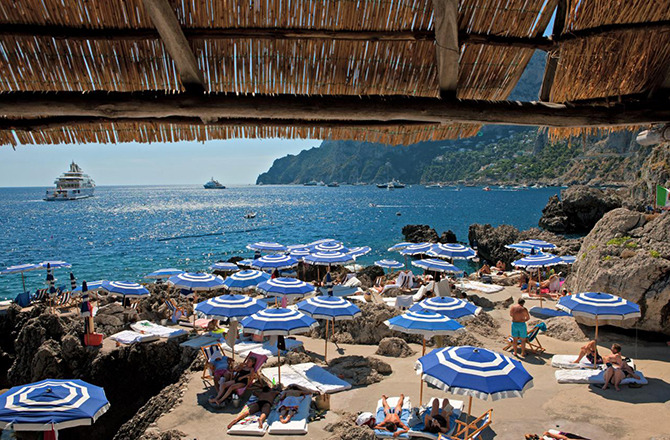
x: 71, y: 185
x: 214, y: 184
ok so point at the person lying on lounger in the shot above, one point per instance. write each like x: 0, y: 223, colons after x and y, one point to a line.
x: 265, y: 397
x: 241, y: 377
x: 437, y: 421
x: 552, y: 433
x: 392, y: 422
x: 290, y: 400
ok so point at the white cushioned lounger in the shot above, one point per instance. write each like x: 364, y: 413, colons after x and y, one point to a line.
x: 249, y: 426
x: 564, y: 361
x: 161, y: 331
x: 298, y: 423
x: 131, y: 337
x: 289, y: 377
x: 587, y: 376
x: 416, y: 430
x: 481, y: 287
x: 322, y: 379
x: 404, y: 416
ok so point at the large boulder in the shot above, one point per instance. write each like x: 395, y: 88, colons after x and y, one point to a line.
x: 491, y: 241
x: 359, y: 370
x: 394, y: 347
x: 424, y: 233
x: 628, y: 254
x: 579, y: 209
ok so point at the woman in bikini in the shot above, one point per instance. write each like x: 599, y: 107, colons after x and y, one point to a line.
x: 241, y: 378
x: 290, y: 401
x: 437, y: 421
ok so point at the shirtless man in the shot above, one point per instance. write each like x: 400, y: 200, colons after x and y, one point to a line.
x: 519, y: 316
x: 391, y: 422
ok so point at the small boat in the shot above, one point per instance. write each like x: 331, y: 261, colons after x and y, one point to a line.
x: 486, y: 188
x: 71, y: 185
x: 310, y: 183
x: 434, y: 186
x: 333, y: 184
x: 393, y: 184
x: 250, y: 215
x: 320, y: 183
x: 214, y: 184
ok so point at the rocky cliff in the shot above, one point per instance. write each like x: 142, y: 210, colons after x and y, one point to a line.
x: 628, y: 254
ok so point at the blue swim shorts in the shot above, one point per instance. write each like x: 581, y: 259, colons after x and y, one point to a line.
x: 519, y: 330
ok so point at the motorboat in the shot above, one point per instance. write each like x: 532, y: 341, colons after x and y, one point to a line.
x: 214, y: 184
x: 71, y: 185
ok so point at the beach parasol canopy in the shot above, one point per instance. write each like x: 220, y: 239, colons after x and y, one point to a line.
x: 539, y: 244
x: 267, y: 246
x: 330, y: 246
x: 245, y: 279
x: 278, y: 322
x: 389, y: 264
x: 93, y: 286
x: 453, y: 308
x: 55, y: 264
x: 122, y: 288
x: 224, y: 266
x: 196, y: 282
x: 599, y: 306
x: 359, y: 251
x: 436, y: 265
x: 164, y: 273
x: 537, y: 261
x: 568, y: 259
x: 328, y: 259
x: 400, y: 246
x: 245, y: 263
x: 299, y: 252
x: 285, y: 287
x: 417, y: 249
x: 230, y: 307
x: 272, y: 262
x: 451, y: 251
x: 523, y: 249
x: 330, y: 308
x: 20, y: 268
x: 52, y: 404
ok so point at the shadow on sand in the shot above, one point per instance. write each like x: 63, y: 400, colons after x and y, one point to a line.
x: 657, y: 391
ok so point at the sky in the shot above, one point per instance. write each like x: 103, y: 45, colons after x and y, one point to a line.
x: 232, y: 162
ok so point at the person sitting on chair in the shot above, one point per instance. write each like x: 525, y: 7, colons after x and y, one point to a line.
x: 392, y: 422
x: 241, y: 377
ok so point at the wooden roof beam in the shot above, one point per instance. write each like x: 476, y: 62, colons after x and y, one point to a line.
x: 552, y: 57
x: 447, y: 50
x: 332, y: 108
x: 166, y: 23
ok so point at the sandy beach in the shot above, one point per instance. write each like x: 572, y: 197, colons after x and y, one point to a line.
x: 632, y: 413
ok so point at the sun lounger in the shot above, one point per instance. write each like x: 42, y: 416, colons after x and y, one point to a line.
x: 340, y: 290
x: 249, y: 426
x: 533, y: 344
x: 593, y: 376
x: 298, y: 423
x: 416, y: 430
x: 211, y: 352
x: 480, y: 287
x: 545, y: 313
x: 404, y: 416
x: 161, y: 331
x: 268, y: 349
x: 198, y: 341
x: 565, y: 361
x: 308, y: 376
x: 128, y: 337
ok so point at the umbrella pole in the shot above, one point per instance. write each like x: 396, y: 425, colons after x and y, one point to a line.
x: 539, y: 283
x: 423, y: 353
x: 467, y: 419
x: 325, y: 356
x: 23, y: 280
x: 595, y: 339
x: 278, y: 366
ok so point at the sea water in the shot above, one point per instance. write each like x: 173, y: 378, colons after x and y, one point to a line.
x: 125, y: 232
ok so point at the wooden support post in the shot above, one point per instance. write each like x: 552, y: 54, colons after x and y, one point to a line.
x: 552, y: 56
x: 164, y: 19
x: 446, y: 45
x: 325, y: 352
x: 423, y: 353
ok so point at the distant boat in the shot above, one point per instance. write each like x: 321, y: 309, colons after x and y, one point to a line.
x: 434, y: 186
x: 333, y: 184
x: 320, y: 183
x: 71, y: 185
x: 486, y: 188
x: 310, y: 183
x: 214, y: 184
x: 393, y: 184
x: 250, y: 215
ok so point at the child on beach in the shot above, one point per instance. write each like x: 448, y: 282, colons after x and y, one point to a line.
x: 290, y: 400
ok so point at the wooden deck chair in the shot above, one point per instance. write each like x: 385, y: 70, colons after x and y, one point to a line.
x: 208, y: 351
x: 472, y: 430
x: 260, y: 361
x: 41, y: 295
x: 63, y: 300
x: 176, y: 312
x: 533, y: 343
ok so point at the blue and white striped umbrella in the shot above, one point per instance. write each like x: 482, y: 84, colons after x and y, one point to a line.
x: 331, y: 246
x: 93, y: 286
x: 474, y: 372
x: 20, y: 268
x: 267, y: 246
x: 400, y: 246
x: 52, y: 404
x: 539, y: 244
x: 123, y: 288
x: 299, y: 252
x: 282, y: 286
x: 359, y: 251
x: 436, y: 265
x: 389, y: 264
x: 603, y: 306
x: 196, y: 282
x: 54, y: 264
x: 417, y: 249
x: 524, y: 249
x: 272, y: 262
x: 453, y: 308
x: 537, y: 261
x: 424, y: 323
x: 568, y: 259
x: 245, y: 263
x: 163, y: 273
x: 224, y: 266
x: 329, y: 307
x: 274, y: 322
x: 230, y: 307
x: 452, y: 251
x: 328, y: 259
x: 322, y: 241
x: 245, y: 279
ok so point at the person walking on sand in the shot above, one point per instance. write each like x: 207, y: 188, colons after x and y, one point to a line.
x: 519, y: 316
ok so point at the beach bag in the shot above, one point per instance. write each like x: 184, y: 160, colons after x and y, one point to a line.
x: 322, y: 402
x: 366, y: 419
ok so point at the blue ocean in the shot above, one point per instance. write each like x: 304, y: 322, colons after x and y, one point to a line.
x: 125, y: 232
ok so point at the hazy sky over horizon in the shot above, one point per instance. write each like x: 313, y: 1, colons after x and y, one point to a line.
x: 232, y: 162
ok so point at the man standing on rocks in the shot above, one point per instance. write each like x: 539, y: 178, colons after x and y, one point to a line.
x: 519, y: 316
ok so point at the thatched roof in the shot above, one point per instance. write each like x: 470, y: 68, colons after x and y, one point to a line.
x: 603, y: 50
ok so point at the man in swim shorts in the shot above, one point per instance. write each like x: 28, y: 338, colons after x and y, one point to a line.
x: 519, y: 316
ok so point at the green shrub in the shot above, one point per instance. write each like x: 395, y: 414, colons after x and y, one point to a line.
x: 618, y: 241
x: 655, y: 254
